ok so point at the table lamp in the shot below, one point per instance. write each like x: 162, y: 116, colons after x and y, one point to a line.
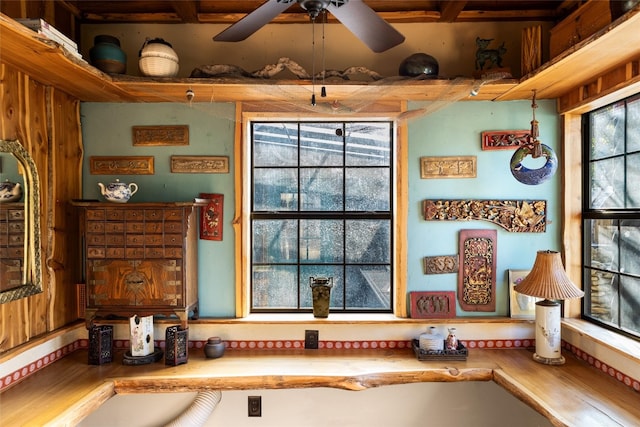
x: 548, y: 280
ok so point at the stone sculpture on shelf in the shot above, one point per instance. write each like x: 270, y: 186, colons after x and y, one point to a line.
x: 271, y: 70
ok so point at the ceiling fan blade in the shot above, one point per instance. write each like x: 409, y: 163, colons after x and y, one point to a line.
x: 367, y: 25
x: 253, y: 21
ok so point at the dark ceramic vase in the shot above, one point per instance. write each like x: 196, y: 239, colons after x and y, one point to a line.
x: 419, y: 65
x: 214, y: 348
x: 106, y: 55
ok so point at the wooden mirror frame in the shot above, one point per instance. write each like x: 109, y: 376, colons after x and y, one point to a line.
x: 32, y: 273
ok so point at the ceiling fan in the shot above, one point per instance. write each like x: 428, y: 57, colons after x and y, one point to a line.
x: 359, y: 18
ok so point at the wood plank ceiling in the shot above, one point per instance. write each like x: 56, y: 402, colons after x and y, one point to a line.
x: 224, y: 11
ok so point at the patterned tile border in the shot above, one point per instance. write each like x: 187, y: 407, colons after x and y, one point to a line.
x: 22, y: 373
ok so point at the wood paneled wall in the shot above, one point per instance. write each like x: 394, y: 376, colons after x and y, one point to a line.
x: 47, y: 122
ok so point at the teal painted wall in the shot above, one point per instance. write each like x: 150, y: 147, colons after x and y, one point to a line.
x: 451, y: 131
x: 455, y: 131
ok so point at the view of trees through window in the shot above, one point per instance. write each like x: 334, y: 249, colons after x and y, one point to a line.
x: 322, y: 204
x: 611, y: 216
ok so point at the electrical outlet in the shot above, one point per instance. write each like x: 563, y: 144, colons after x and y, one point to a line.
x: 311, y: 339
x: 255, y: 406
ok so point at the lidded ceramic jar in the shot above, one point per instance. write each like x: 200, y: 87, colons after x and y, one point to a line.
x: 431, y: 340
x: 158, y: 59
x: 214, y: 348
x: 106, y: 54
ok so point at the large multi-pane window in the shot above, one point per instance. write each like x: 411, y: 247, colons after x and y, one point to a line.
x: 611, y: 216
x: 321, y: 206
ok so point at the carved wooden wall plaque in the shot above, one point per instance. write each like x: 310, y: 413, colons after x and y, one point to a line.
x: 477, y: 277
x: 123, y: 165
x: 441, y: 264
x: 504, y: 139
x: 161, y: 135
x: 199, y: 164
x: 520, y: 216
x: 433, y: 305
x: 448, y: 167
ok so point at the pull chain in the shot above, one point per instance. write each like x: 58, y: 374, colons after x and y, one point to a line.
x: 323, y: 91
x: 313, y: 62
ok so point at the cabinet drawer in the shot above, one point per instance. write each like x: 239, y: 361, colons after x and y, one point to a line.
x: 12, y: 239
x: 114, y: 215
x: 173, y: 227
x: 114, y: 239
x: 114, y: 227
x: 12, y: 227
x: 173, y: 240
x: 144, y: 239
x: 95, y: 214
x: 153, y: 214
x: 134, y: 215
x: 95, y: 226
x: 173, y: 252
x: 154, y: 252
x: 16, y: 252
x: 95, y: 239
x: 115, y: 252
x: 96, y: 252
x: 134, y: 253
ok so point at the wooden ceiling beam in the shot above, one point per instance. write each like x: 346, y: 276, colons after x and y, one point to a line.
x: 187, y: 10
x: 449, y: 10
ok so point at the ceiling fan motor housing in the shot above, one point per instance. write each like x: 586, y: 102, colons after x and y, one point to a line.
x: 314, y: 7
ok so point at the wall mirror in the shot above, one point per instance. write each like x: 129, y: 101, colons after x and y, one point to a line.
x: 20, y: 258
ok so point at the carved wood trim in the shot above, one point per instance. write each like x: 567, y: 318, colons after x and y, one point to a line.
x: 160, y: 135
x: 125, y: 165
x: 433, y: 305
x: 504, y: 139
x: 448, y: 167
x: 441, y: 264
x: 199, y: 164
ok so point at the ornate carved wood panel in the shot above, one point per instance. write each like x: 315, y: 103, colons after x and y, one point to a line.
x: 441, y: 264
x: 477, y: 277
x: 433, y: 305
x: 160, y: 135
x: 504, y: 139
x: 519, y: 216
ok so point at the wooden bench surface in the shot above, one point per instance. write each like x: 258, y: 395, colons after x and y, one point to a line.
x: 574, y: 394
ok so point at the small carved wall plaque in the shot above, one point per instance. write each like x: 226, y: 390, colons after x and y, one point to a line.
x: 448, y: 167
x: 504, y: 139
x: 433, y: 305
x: 161, y: 135
x: 199, y: 164
x: 123, y: 165
x: 477, y: 278
x: 520, y: 216
x: 441, y: 264
x: 211, y: 216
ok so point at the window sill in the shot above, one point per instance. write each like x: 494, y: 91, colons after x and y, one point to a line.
x: 594, y: 336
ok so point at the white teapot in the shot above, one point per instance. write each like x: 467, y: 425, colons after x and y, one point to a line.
x: 10, y: 191
x: 118, y: 191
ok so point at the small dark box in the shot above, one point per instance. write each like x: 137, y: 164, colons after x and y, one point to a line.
x: 176, y: 350
x: 100, y: 344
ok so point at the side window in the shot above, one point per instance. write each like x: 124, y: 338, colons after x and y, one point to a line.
x: 611, y: 216
x: 321, y: 205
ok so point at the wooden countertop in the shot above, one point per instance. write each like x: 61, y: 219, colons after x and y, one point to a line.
x: 574, y: 394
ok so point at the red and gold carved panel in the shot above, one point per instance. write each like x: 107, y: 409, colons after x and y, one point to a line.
x: 477, y: 276
x: 432, y: 305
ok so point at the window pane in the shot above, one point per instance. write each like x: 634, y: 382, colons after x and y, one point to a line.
x: 629, y: 248
x: 275, y: 287
x: 633, y: 180
x: 367, y: 189
x: 630, y: 304
x: 604, y: 245
x: 368, y: 286
x: 275, y: 189
x: 275, y: 241
x: 321, y: 241
x: 368, y: 241
x: 321, y: 189
x: 607, y: 132
x: 603, y: 291
x: 321, y: 144
x: 607, y: 183
x: 633, y: 126
x: 275, y: 144
x: 368, y: 144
